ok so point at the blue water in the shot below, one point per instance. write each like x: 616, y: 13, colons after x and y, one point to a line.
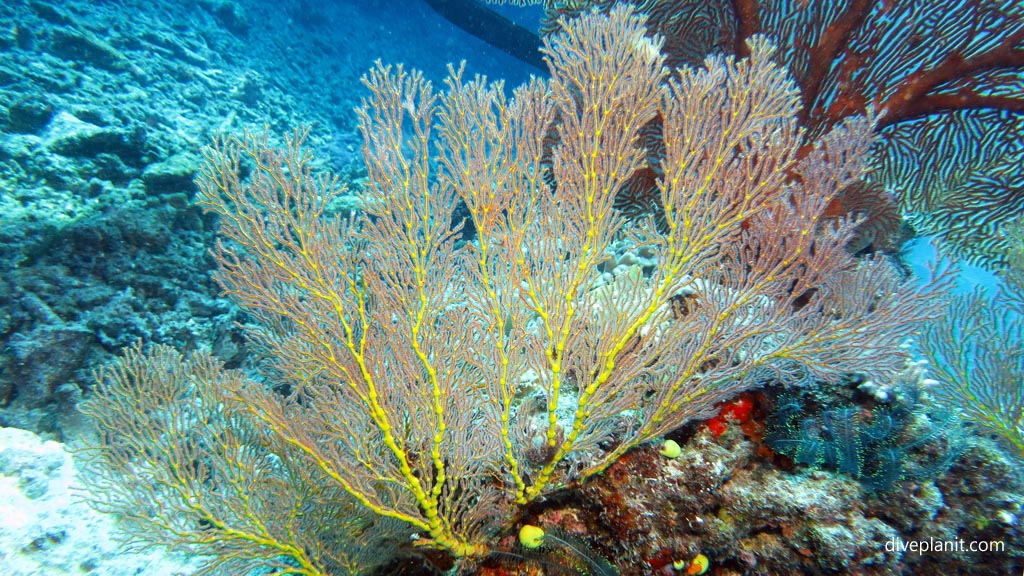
x: 923, y: 255
x: 412, y: 33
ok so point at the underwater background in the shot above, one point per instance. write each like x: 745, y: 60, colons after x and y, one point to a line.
x: 108, y: 107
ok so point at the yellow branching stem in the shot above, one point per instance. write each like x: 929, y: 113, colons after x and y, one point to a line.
x: 976, y: 352
x: 438, y: 373
x: 183, y: 467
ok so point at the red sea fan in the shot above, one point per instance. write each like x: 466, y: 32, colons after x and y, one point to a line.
x: 946, y: 81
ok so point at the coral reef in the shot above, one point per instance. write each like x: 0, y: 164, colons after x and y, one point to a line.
x: 721, y: 499
x: 104, y: 109
x: 47, y: 529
